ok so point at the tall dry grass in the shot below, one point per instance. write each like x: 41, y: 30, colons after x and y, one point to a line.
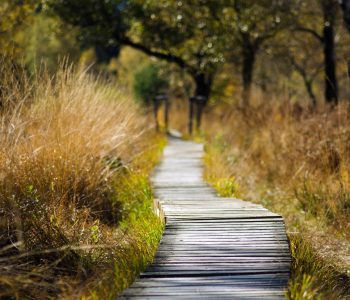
x: 296, y: 162
x: 64, y: 140
x: 304, y: 153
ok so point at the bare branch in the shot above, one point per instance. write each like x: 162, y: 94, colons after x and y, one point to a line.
x: 161, y: 55
x: 314, y: 33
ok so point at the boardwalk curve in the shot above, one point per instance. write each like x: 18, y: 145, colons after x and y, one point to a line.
x: 212, y: 247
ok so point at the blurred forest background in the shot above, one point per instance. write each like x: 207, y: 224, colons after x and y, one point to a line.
x: 298, y: 49
x: 275, y: 79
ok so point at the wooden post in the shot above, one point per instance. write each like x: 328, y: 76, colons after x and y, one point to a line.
x: 190, y: 116
x: 166, y: 113
x: 155, y: 112
x: 200, y: 100
x: 158, y: 100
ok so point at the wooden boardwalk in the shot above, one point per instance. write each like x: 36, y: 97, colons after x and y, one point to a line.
x: 213, y: 247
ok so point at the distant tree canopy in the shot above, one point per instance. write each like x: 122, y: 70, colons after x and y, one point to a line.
x: 187, y: 33
x: 13, y: 16
x: 319, y: 20
x: 102, y: 23
x: 253, y: 23
x: 196, y: 35
x: 184, y: 33
x: 204, y: 38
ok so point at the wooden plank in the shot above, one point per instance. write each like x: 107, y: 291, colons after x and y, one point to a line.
x: 212, y: 247
x: 214, y: 272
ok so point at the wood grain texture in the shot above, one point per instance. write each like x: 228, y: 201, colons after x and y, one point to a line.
x: 212, y: 247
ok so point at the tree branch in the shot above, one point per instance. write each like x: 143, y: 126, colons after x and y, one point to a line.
x: 310, y: 31
x: 261, y: 39
x: 165, y: 56
x: 298, y: 67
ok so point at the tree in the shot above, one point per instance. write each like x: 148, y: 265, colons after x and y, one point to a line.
x: 287, y: 58
x: 331, y: 84
x: 254, y: 23
x: 13, y: 16
x: 184, y: 33
x: 100, y: 22
x: 308, y: 77
x: 45, y: 40
x: 326, y: 38
x: 345, y: 5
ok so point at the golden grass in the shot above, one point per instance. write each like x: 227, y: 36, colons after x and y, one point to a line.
x: 306, y: 155
x: 295, y: 162
x: 66, y: 142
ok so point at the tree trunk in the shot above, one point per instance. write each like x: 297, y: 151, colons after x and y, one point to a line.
x: 155, y: 113
x: 203, y: 84
x: 200, y: 107
x: 249, y: 56
x: 348, y: 80
x: 345, y: 4
x: 309, y: 89
x: 308, y: 81
x: 331, y: 84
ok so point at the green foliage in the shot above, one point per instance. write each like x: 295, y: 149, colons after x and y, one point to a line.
x: 184, y: 33
x: 303, y: 290
x: 32, y: 36
x: 198, y: 36
x: 187, y: 29
x: 303, y: 283
x: 215, y: 173
x: 102, y: 23
x: 227, y: 187
x: 14, y: 16
x: 312, y: 277
x: 141, y: 228
x: 46, y: 40
x: 148, y: 83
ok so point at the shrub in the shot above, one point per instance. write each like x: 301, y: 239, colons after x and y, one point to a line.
x: 148, y: 83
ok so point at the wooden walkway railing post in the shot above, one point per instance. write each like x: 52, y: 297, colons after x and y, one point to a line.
x: 166, y: 113
x: 200, y: 101
x: 157, y: 101
x: 191, y: 103
x: 196, y: 105
x: 155, y: 112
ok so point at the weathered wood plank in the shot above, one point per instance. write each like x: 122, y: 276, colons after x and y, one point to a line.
x: 212, y: 247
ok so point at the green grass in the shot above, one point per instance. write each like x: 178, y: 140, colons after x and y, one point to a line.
x: 142, y: 232
x: 142, y: 229
x: 312, y: 277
